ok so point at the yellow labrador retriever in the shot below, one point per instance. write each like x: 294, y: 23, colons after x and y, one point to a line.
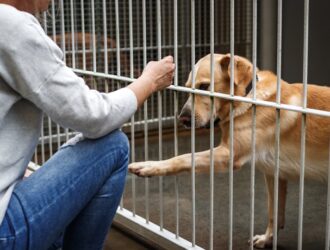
x: 317, y: 132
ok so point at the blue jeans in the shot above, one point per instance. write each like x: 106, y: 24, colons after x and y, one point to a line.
x: 73, y: 197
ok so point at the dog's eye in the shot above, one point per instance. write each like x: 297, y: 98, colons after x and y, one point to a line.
x: 203, y: 86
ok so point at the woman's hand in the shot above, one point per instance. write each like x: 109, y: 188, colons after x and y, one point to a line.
x: 160, y: 73
x: 156, y: 76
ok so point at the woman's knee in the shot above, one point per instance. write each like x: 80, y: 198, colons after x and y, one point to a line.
x: 119, y: 139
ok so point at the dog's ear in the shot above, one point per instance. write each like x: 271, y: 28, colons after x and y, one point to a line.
x: 242, y: 69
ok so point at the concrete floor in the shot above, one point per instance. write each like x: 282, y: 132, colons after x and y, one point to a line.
x: 118, y: 240
x: 314, y: 206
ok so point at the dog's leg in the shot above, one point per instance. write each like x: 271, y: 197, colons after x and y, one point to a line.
x: 182, y: 163
x: 266, y: 240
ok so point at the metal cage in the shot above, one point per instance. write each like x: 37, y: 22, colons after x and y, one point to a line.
x: 108, y: 43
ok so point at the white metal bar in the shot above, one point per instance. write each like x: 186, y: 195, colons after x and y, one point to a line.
x: 50, y: 134
x: 50, y: 144
x: 36, y: 155
x: 54, y: 38
x: 146, y: 145
x: 63, y: 46
x: 278, y: 124
x: 118, y: 58
x: 105, y: 37
x: 254, y: 120
x: 42, y: 143
x: 279, y: 50
x: 176, y: 101
x: 105, y: 43
x: 53, y: 20
x: 93, y: 35
x: 135, y: 48
x: 132, y: 119
x: 327, y: 236
x: 211, y: 236
x: 73, y: 47
x: 160, y: 125
x: 193, y: 125
x: 117, y: 38
x: 150, y: 231
x: 42, y: 124
x: 218, y: 95
x: 303, y: 125
x: 83, y: 33
x: 231, y: 126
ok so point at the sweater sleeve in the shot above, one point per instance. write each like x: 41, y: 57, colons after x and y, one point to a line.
x: 31, y: 63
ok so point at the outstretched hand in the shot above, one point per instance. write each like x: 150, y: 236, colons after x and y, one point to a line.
x: 160, y: 73
x: 156, y: 76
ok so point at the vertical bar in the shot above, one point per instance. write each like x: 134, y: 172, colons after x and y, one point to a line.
x: 50, y: 139
x: 72, y: 36
x: 36, y: 156
x: 278, y: 122
x: 105, y: 44
x: 49, y: 120
x: 42, y: 142
x: 231, y: 126
x: 132, y: 119
x: 83, y: 33
x: 53, y: 20
x: 254, y: 120
x: 145, y: 107
x: 54, y: 38
x: 105, y: 38
x: 93, y: 35
x: 117, y: 38
x: 193, y: 185
x: 118, y: 58
x: 63, y: 30
x: 212, y: 126
x: 63, y: 46
x: 303, y: 125
x: 327, y: 236
x: 160, y: 125
x: 43, y: 123
x: 176, y: 101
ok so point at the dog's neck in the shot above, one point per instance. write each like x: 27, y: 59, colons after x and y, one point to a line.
x: 243, y: 107
x: 250, y: 85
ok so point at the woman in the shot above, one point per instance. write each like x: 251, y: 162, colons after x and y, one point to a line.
x: 72, y: 199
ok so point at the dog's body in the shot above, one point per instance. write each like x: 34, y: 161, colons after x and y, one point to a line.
x: 317, y: 131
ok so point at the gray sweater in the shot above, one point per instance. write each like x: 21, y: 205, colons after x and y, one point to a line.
x: 34, y: 80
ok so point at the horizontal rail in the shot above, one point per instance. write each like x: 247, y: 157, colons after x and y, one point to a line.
x: 150, y: 231
x: 62, y: 136
x: 217, y: 95
x: 127, y: 49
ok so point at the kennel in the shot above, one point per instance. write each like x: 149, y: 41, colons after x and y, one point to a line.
x: 108, y: 43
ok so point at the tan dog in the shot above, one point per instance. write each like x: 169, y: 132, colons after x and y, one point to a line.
x: 317, y: 132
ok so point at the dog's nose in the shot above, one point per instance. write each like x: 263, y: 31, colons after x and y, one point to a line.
x: 185, y: 118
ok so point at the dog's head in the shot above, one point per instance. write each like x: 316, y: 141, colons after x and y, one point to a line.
x: 242, y: 78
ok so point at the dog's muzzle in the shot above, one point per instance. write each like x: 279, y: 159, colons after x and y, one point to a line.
x: 185, y: 118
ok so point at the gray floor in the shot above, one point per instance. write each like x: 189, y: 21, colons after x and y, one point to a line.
x: 118, y: 240
x: 314, y: 208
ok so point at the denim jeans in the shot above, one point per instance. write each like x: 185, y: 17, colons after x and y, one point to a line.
x: 71, y: 200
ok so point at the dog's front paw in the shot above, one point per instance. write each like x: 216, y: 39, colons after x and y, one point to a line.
x: 146, y: 169
x: 262, y: 241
